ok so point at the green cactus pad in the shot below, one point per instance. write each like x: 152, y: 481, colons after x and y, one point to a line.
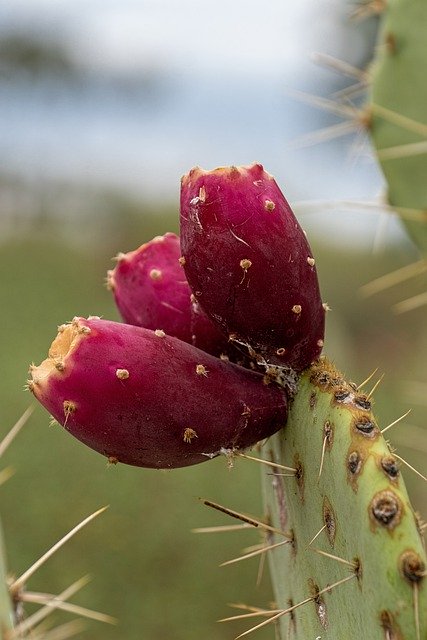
x: 399, y: 111
x: 360, y: 506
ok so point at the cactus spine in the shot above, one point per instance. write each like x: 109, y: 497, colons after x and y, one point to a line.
x: 6, y: 613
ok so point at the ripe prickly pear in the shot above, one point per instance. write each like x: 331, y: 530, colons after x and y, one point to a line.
x: 147, y: 399
x: 151, y: 291
x: 243, y: 246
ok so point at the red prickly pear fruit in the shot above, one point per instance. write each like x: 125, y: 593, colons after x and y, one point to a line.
x: 151, y: 290
x: 147, y: 399
x: 249, y: 264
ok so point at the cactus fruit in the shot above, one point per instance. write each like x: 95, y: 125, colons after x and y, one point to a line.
x: 347, y: 489
x: 249, y: 264
x: 147, y: 399
x: 151, y: 291
x: 399, y: 116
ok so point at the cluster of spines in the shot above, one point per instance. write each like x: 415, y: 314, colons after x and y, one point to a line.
x: 14, y: 592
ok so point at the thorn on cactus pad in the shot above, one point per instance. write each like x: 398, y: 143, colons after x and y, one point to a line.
x: 275, y: 465
x: 283, y: 612
x: 396, y: 421
x: 423, y: 477
x: 375, y: 387
x: 248, y: 519
x: 368, y: 379
x: 264, y: 549
x: 328, y: 435
x: 317, y: 535
x: 350, y: 563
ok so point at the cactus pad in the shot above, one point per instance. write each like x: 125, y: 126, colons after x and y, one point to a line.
x: 348, y: 489
x: 399, y: 111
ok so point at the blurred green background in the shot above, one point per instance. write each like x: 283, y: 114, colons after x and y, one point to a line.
x: 57, y: 238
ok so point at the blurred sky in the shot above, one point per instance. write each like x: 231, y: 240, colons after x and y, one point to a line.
x: 221, y: 78
x: 245, y: 36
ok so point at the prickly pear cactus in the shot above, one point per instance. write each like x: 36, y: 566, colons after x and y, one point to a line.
x: 356, y: 563
x: 353, y: 563
x: 399, y: 111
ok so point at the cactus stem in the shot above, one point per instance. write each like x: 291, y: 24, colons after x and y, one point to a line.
x: 299, y: 604
x: 245, y: 518
x: 410, y: 303
x: 252, y: 554
x: 410, y: 467
x: 396, y: 421
x: 49, y: 599
x: 275, y: 465
x: 19, y: 582
x: 15, y: 430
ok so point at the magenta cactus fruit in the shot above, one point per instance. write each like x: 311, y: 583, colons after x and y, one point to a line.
x: 147, y: 399
x: 249, y: 264
x: 151, y: 290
